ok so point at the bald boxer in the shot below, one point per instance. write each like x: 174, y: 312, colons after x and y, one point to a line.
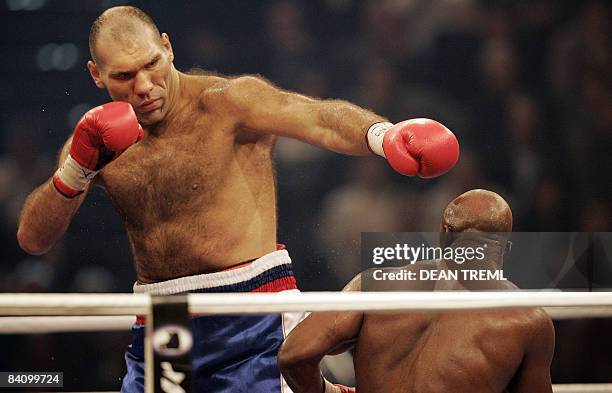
x: 187, y: 161
x: 477, y: 351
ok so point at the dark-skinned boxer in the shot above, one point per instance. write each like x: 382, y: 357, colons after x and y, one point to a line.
x: 485, y: 351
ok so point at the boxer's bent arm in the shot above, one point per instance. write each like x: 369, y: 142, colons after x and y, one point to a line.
x: 534, y: 372
x: 46, y: 215
x: 316, y: 336
x: 335, y: 125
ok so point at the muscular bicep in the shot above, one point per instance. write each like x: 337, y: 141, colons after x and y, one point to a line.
x: 263, y: 107
x: 331, y: 124
x: 534, y: 372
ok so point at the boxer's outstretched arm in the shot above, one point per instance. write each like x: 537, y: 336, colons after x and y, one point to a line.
x: 331, y: 124
x: 534, y: 373
x: 46, y: 214
x: 417, y: 147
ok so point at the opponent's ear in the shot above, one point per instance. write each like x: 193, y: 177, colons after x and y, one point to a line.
x: 95, y: 74
x: 167, y: 45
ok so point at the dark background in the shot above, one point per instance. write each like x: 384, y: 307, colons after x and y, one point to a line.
x: 525, y: 85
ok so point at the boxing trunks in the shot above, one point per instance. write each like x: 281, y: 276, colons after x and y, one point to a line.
x: 231, y: 354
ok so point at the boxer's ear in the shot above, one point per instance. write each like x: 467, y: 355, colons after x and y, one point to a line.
x: 165, y: 40
x: 95, y: 74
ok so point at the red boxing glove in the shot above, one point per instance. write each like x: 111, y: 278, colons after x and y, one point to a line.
x: 413, y: 147
x: 102, y: 134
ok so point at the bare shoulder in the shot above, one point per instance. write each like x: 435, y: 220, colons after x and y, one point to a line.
x: 536, y: 317
x: 204, y: 84
x: 534, y: 324
x: 354, y: 284
x: 247, y: 84
x: 234, y: 89
x: 541, y: 322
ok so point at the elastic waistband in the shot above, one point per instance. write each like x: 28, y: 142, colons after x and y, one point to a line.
x: 270, y: 273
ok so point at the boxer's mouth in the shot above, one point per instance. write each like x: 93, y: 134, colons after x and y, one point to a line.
x: 149, y: 106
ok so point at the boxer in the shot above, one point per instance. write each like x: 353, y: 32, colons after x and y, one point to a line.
x: 492, y: 351
x: 187, y: 161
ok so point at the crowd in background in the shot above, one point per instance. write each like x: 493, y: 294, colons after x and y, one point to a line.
x: 525, y: 85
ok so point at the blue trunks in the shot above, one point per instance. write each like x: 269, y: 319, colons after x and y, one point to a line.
x: 231, y: 354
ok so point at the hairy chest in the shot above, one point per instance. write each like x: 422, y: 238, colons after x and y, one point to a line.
x: 162, y: 177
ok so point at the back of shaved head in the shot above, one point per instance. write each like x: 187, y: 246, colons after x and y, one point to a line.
x: 121, y: 23
x: 478, y: 210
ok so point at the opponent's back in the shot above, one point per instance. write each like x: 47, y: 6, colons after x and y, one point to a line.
x: 458, y: 352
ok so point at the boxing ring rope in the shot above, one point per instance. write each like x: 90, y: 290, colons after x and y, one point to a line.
x: 65, y: 324
x: 263, y: 303
x: 583, y: 388
x: 52, y: 313
x: 73, y: 324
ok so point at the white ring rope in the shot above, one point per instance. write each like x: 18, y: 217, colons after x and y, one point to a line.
x: 262, y: 303
x: 66, y: 324
x: 583, y: 388
x: 574, y: 312
x: 563, y: 304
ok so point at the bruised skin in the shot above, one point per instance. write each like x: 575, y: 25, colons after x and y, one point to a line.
x: 197, y: 194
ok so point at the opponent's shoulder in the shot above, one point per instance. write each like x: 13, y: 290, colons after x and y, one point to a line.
x: 537, y: 334
x: 534, y: 323
x: 354, y: 284
x: 540, y: 321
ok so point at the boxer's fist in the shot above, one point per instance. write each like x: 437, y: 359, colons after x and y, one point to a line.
x: 414, y: 147
x: 100, y: 136
x: 104, y: 133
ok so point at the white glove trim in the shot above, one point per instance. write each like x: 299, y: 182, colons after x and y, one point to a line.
x: 74, y: 175
x: 376, y: 135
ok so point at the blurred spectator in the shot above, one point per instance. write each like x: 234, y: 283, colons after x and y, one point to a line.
x: 292, y: 52
x: 369, y: 202
x: 524, y: 125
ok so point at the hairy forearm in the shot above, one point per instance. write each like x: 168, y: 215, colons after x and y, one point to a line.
x: 344, y: 126
x: 44, y: 218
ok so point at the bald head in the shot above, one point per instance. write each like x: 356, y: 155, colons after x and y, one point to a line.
x: 120, y: 24
x: 477, y: 211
